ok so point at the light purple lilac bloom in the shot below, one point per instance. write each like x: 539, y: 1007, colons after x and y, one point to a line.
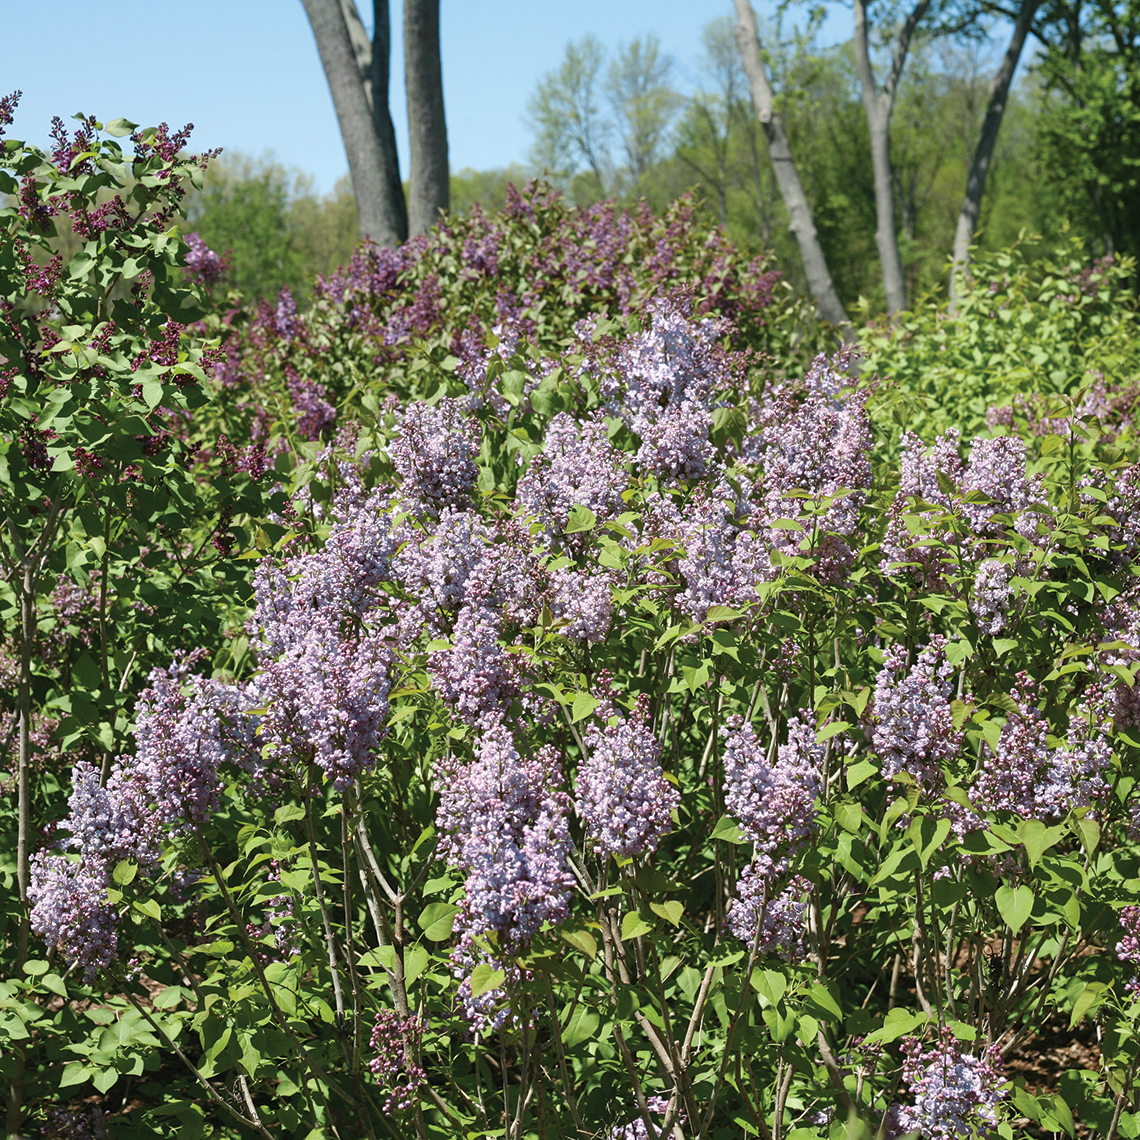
x: 955, y: 1094
x: 913, y: 723
x: 325, y: 648
x: 1128, y: 948
x: 722, y: 561
x: 773, y: 803
x: 623, y: 797
x: 992, y: 596
x: 822, y: 446
x: 170, y: 786
x: 665, y: 382
x: 996, y: 468
x: 503, y: 822
x: 1009, y: 779
x: 635, y: 1129
x: 434, y: 451
x: 578, y: 467
x: 767, y: 915
x: 583, y: 600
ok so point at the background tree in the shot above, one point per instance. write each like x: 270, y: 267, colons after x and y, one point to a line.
x: 357, y: 82
x: 879, y: 104
x: 642, y: 102
x: 428, y: 186
x: 1089, y: 129
x: 791, y: 189
x: 987, y: 141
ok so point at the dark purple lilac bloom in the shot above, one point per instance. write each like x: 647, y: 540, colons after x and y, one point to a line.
x: 396, y: 1041
x: 635, y: 1129
x: 203, y: 265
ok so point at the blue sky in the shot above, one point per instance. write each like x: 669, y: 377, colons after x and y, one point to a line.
x: 246, y: 72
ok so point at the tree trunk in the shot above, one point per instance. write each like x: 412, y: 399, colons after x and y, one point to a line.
x: 879, y: 105
x: 429, y: 189
x: 983, y: 154
x: 791, y: 189
x: 375, y: 175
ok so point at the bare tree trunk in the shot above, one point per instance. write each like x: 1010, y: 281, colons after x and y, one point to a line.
x: 879, y: 105
x: 791, y: 189
x: 377, y: 207
x: 373, y: 61
x: 429, y: 189
x: 983, y: 154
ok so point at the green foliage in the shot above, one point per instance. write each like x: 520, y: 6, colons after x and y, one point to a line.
x: 1030, y: 325
x: 270, y: 940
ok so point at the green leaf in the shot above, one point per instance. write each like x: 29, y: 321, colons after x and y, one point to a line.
x: 148, y: 907
x: 1003, y: 645
x: 859, y: 772
x: 727, y: 831
x: 927, y: 836
x: 1089, y: 831
x: 770, y: 985
x: 823, y: 999
x: 634, y: 926
x: 125, y: 872
x: 75, y: 1073
x: 849, y: 816
x: 670, y: 911
x: 582, y: 940
x: 583, y: 1024
x: 169, y: 997
x: 1038, y: 838
x: 36, y: 966
x: 898, y: 1023
x: 119, y: 128
x: 288, y: 812
x: 581, y: 519
x: 722, y: 613
x: 830, y: 730
x: 415, y: 962
x: 1014, y: 906
x: 584, y: 705
x: 1090, y: 997
x: 436, y: 921
x: 485, y: 977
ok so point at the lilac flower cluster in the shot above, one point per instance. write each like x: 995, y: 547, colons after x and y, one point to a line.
x: 578, y: 467
x: 770, y: 916
x: 399, y: 1074
x: 955, y: 1094
x: 168, y: 787
x: 203, y: 265
x: 325, y: 648
x: 314, y: 414
x: 993, y: 596
x: 434, y: 451
x: 923, y: 473
x: 505, y: 825
x: 774, y: 805
x: 1128, y: 948
x: 664, y: 384
x: 722, y: 560
x: 821, y: 446
x: 623, y: 797
x: 635, y: 1129
x: 996, y: 469
x: 584, y: 601
x: 1009, y: 780
x: 913, y: 726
